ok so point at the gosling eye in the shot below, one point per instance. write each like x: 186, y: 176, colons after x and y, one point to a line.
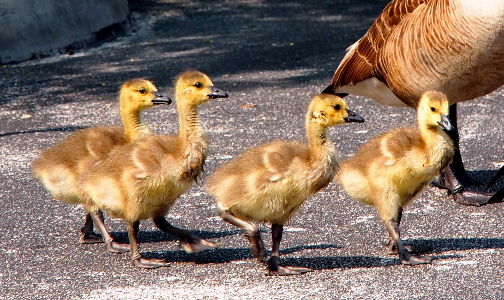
x: 142, y: 91
x: 198, y: 85
x: 337, y: 107
x: 433, y: 109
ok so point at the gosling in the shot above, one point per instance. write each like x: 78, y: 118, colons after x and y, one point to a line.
x: 59, y: 166
x: 391, y: 169
x: 143, y: 179
x: 269, y: 183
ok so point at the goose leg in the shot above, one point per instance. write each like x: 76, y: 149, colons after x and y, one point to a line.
x: 455, y: 177
x: 191, y: 242
x: 88, y: 236
x: 97, y: 217
x: 404, y: 256
x: 250, y: 231
x: 457, y: 165
x: 136, y: 258
x: 274, y: 267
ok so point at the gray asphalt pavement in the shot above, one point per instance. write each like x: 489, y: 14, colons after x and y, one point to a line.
x: 273, y: 55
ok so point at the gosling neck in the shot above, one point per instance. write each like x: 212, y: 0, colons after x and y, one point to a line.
x: 319, y: 142
x: 193, y: 140
x: 439, y: 145
x: 189, y: 122
x: 134, y: 126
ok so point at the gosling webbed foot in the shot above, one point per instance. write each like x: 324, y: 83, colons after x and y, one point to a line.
x: 114, y: 247
x: 288, y: 270
x: 393, y: 250
x: 189, y: 241
x: 412, y: 260
x: 151, y: 263
x: 90, y: 238
x: 196, y: 244
x: 275, y: 269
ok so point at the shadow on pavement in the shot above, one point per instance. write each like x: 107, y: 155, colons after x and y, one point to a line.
x: 232, y: 40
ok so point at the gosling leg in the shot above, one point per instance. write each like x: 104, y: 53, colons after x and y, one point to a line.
x: 392, y: 247
x: 113, y: 247
x: 136, y: 258
x: 191, y: 242
x: 274, y: 267
x: 88, y: 236
x: 250, y: 231
x: 404, y: 256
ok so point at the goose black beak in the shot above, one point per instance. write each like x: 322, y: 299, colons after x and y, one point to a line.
x: 446, y: 124
x: 161, y: 99
x: 216, y: 93
x: 353, y: 117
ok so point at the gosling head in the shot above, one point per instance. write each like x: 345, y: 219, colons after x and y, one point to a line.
x: 433, y: 110
x: 331, y: 110
x: 195, y: 88
x: 140, y: 94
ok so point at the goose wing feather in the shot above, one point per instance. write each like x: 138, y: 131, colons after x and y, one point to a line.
x: 360, y: 59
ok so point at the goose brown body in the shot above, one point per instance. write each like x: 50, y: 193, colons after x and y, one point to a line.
x: 269, y: 183
x: 391, y: 169
x: 142, y: 179
x: 452, y: 46
x: 60, y: 166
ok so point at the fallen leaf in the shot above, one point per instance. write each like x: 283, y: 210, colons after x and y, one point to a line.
x: 249, y: 105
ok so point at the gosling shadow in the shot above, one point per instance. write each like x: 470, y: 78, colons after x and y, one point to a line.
x: 428, y: 246
x: 455, y: 244
x: 223, y: 255
x: 154, y: 236
x: 432, y: 246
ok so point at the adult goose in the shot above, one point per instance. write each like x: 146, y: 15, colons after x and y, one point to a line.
x: 452, y: 46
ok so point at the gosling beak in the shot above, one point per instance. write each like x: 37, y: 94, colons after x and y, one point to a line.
x: 353, y: 117
x: 216, y: 93
x: 446, y: 124
x: 160, y: 99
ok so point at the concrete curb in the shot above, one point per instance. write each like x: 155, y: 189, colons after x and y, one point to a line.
x: 32, y: 29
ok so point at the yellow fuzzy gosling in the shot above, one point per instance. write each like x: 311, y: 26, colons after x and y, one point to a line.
x: 143, y: 179
x: 269, y: 183
x: 452, y: 46
x: 391, y: 169
x: 59, y: 167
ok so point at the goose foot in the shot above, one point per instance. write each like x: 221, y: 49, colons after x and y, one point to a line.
x: 90, y: 238
x: 275, y: 269
x: 149, y: 263
x: 456, y: 186
x: 471, y: 198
